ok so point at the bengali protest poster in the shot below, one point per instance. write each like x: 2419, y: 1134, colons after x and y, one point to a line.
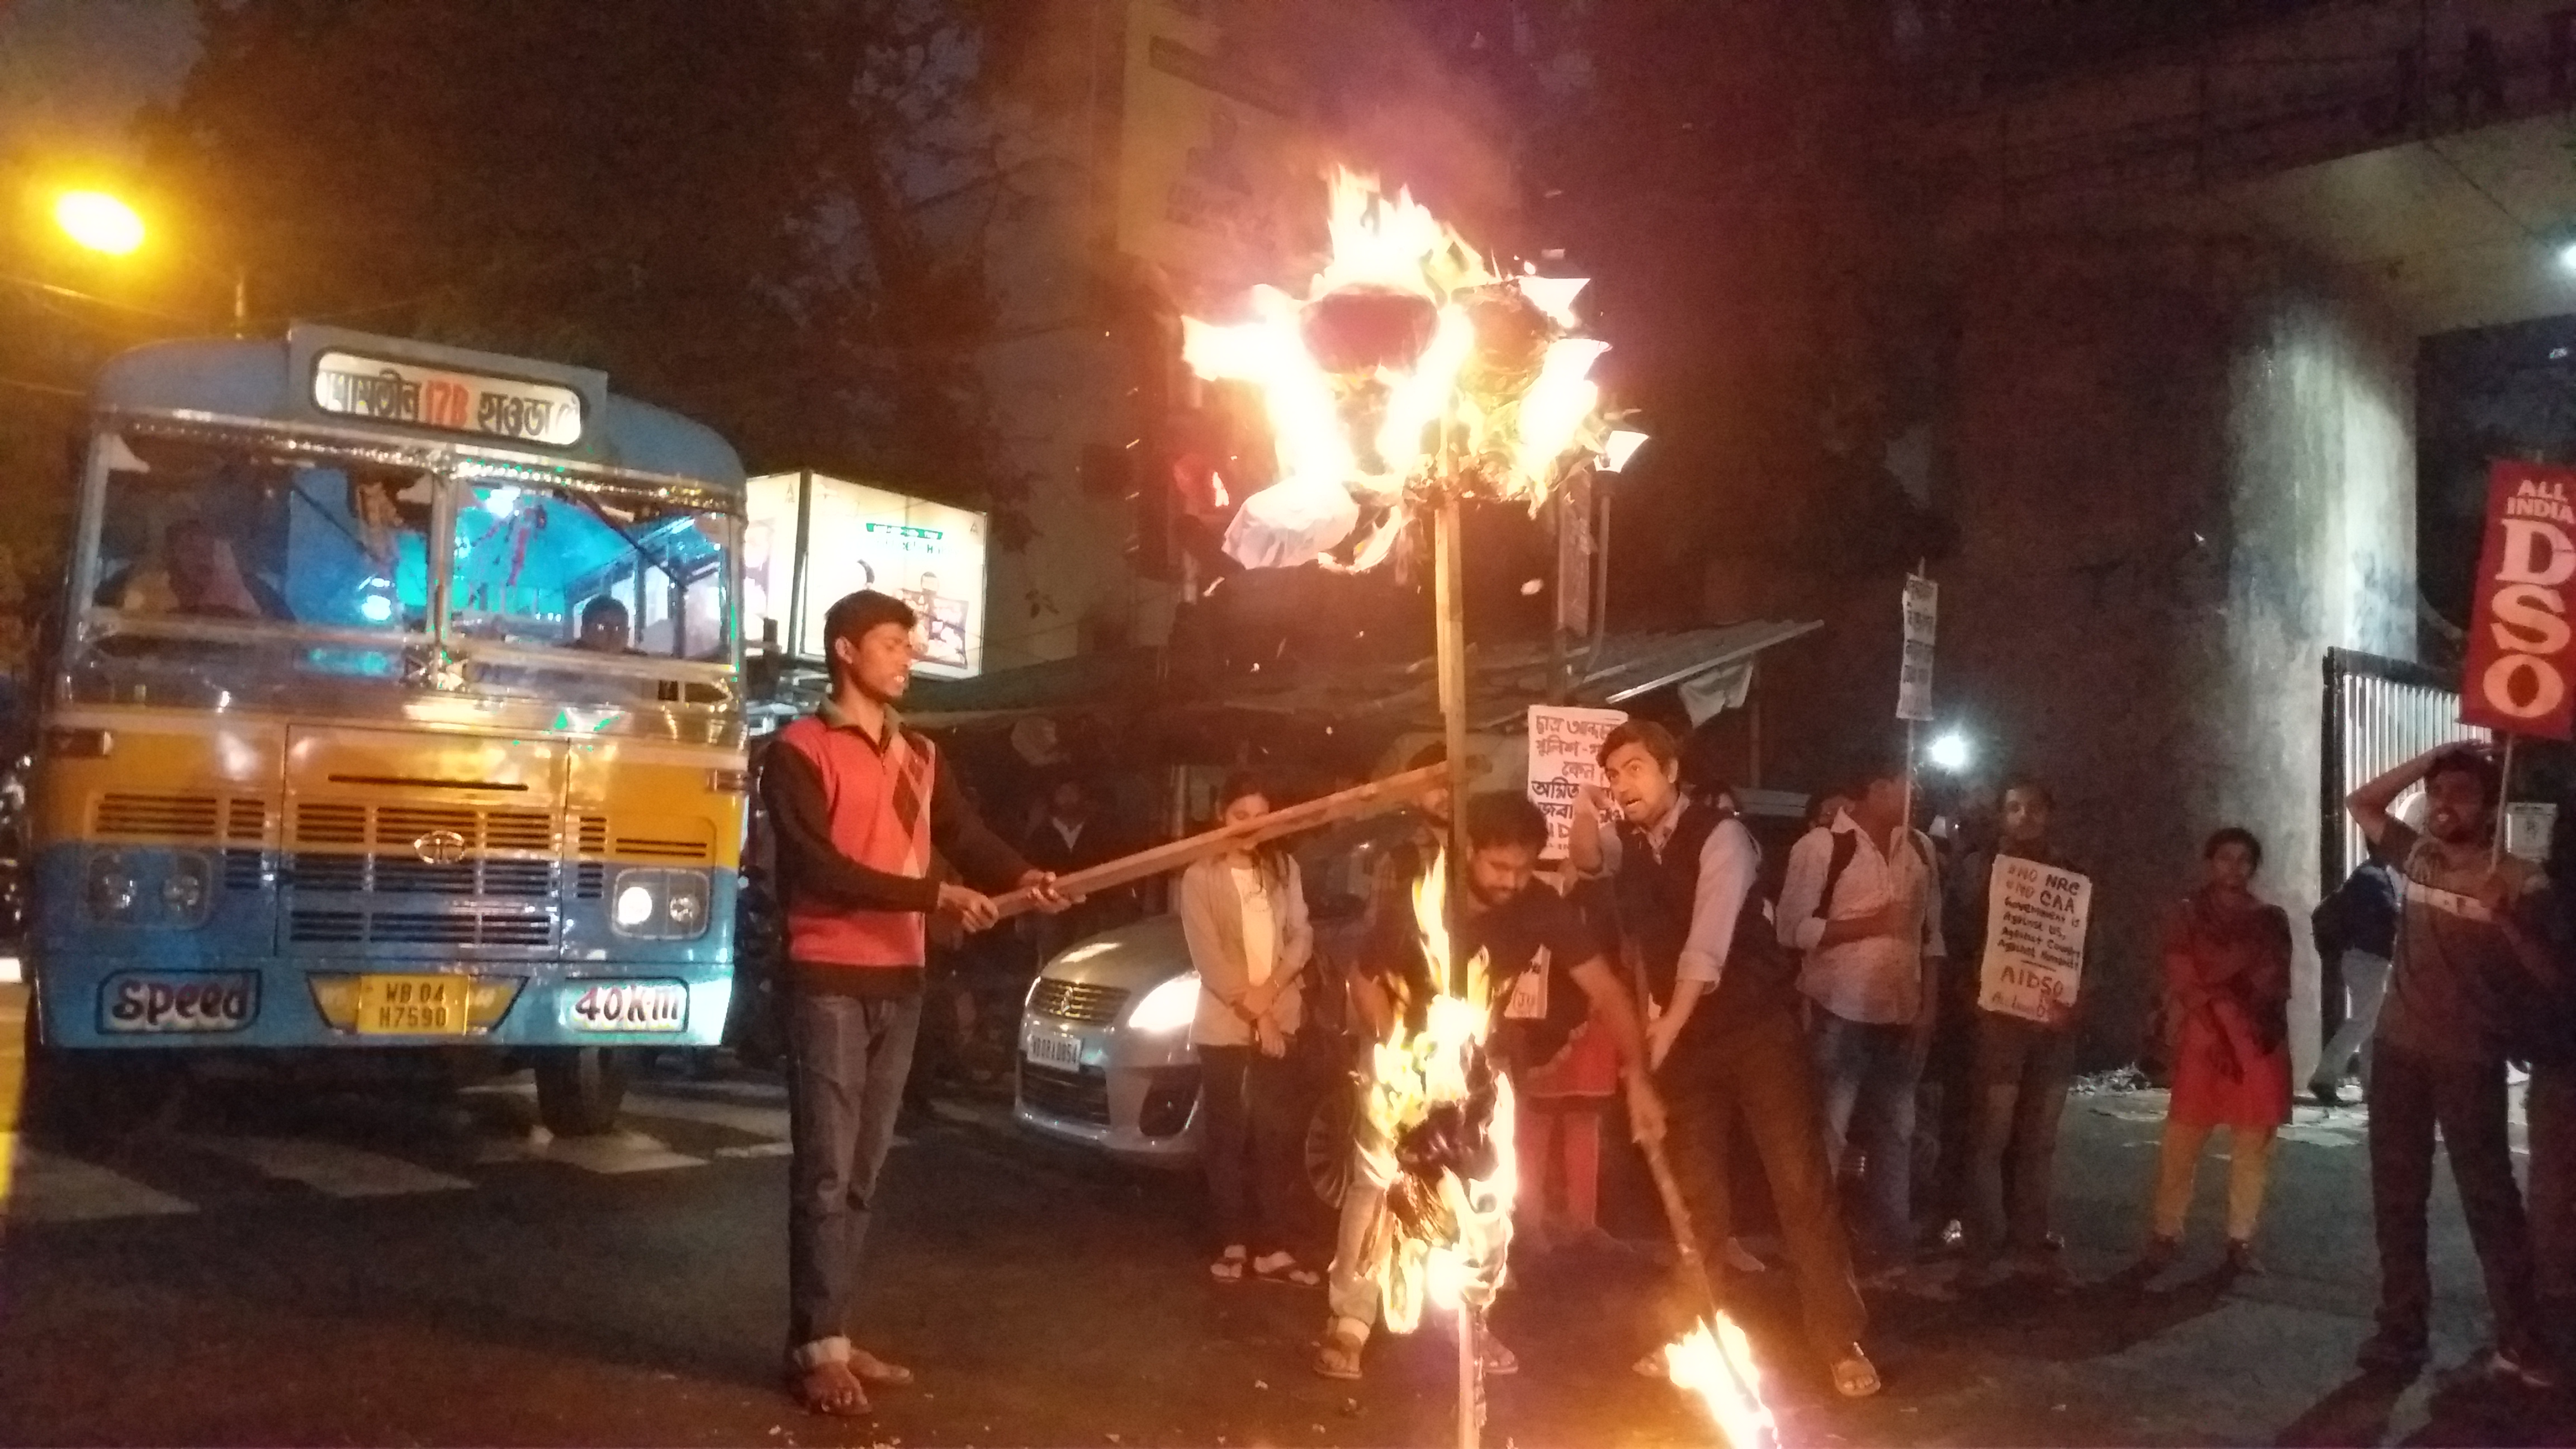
x: 1564, y: 756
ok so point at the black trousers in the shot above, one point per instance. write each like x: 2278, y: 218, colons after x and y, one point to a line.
x: 1758, y: 1078
x: 2551, y: 1112
x: 1250, y: 1144
x: 2413, y: 1096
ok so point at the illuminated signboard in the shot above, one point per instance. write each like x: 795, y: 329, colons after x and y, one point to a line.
x: 929, y: 555
x: 352, y: 386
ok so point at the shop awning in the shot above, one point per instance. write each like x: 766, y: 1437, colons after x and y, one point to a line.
x: 1711, y: 665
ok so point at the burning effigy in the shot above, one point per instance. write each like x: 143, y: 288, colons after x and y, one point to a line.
x: 1409, y: 373
x: 1408, y: 361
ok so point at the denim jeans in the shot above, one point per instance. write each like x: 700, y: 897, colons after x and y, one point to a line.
x: 847, y: 1060
x: 2021, y: 1075
x: 1865, y: 1076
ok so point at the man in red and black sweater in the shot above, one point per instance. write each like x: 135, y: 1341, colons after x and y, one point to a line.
x: 861, y: 810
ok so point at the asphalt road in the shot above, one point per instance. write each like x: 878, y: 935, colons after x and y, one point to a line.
x: 286, y: 1268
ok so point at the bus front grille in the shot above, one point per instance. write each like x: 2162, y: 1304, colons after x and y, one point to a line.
x: 316, y: 926
x: 506, y: 879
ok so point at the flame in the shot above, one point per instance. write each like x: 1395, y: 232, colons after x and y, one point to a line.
x: 1509, y: 409
x: 1461, y: 1264
x: 1719, y: 1368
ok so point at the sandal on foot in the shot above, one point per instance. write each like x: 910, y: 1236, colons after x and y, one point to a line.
x: 1337, y: 1356
x: 1499, y: 1361
x: 830, y: 1390
x: 1228, y: 1267
x: 2161, y: 1251
x: 1284, y: 1268
x: 874, y: 1370
x: 1855, y: 1377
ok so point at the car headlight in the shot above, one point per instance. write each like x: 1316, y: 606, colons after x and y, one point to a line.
x: 1171, y: 1006
x: 659, y: 905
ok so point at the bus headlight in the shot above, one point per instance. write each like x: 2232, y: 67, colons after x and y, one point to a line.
x: 186, y: 889
x: 111, y: 887
x: 660, y: 905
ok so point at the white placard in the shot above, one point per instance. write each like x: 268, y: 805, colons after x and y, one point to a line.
x: 1914, y: 674
x: 2034, y: 959
x: 1564, y: 756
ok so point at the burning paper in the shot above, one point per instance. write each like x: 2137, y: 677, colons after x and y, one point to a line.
x: 1406, y: 357
x: 1435, y: 1134
x: 1719, y: 1369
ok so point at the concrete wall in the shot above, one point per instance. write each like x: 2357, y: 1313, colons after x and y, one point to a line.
x: 2183, y: 470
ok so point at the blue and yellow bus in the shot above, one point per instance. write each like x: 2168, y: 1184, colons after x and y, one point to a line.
x: 396, y: 703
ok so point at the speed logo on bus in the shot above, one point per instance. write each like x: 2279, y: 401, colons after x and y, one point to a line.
x: 137, y: 1002
x: 624, y: 1006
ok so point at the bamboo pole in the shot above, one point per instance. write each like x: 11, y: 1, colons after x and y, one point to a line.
x: 1356, y: 803
x: 2504, y: 806
x: 1449, y: 642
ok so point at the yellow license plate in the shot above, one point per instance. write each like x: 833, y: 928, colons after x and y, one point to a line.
x: 413, y: 1005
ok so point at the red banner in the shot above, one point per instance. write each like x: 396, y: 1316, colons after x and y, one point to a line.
x: 2521, y: 674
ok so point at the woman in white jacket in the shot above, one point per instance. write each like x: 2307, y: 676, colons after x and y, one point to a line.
x: 1244, y: 915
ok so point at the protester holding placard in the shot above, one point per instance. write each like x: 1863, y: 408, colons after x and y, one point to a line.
x: 2227, y: 979
x: 2019, y: 1068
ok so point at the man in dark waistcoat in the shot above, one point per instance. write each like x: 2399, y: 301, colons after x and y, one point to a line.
x: 1725, y: 1035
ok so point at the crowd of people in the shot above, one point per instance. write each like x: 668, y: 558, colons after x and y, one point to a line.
x: 1828, y: 1012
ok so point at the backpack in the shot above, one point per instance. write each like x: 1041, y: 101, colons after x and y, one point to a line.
x: 1846, y: 845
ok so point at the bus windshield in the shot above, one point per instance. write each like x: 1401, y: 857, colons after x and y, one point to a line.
x: 538, y: 567
x: 197, y: 531
x: 234, y: 565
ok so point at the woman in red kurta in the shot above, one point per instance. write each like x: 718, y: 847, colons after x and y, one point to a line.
x: 2227, y: 983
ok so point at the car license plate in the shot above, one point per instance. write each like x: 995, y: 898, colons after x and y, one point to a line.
x: 632, y: 1006
x: 413, y: 1005
x: 1049, y: 1049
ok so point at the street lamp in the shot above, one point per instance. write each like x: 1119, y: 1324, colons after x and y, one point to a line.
x: 99, y: 222
x: 104, y: 223
x: 1949, y: 752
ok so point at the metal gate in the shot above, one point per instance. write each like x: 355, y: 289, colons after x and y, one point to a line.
x: 2378, y: 712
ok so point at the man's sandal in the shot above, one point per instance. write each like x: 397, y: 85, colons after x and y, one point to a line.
x: 1284, y: 1268
x: 1855, y: 1377
x: 874, y: 1370
x: 1228, y: 1267
x: 831, y: 1390
x: 1337, y: 1355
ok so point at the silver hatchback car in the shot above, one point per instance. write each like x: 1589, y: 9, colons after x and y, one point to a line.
x: 1104, y: 1057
